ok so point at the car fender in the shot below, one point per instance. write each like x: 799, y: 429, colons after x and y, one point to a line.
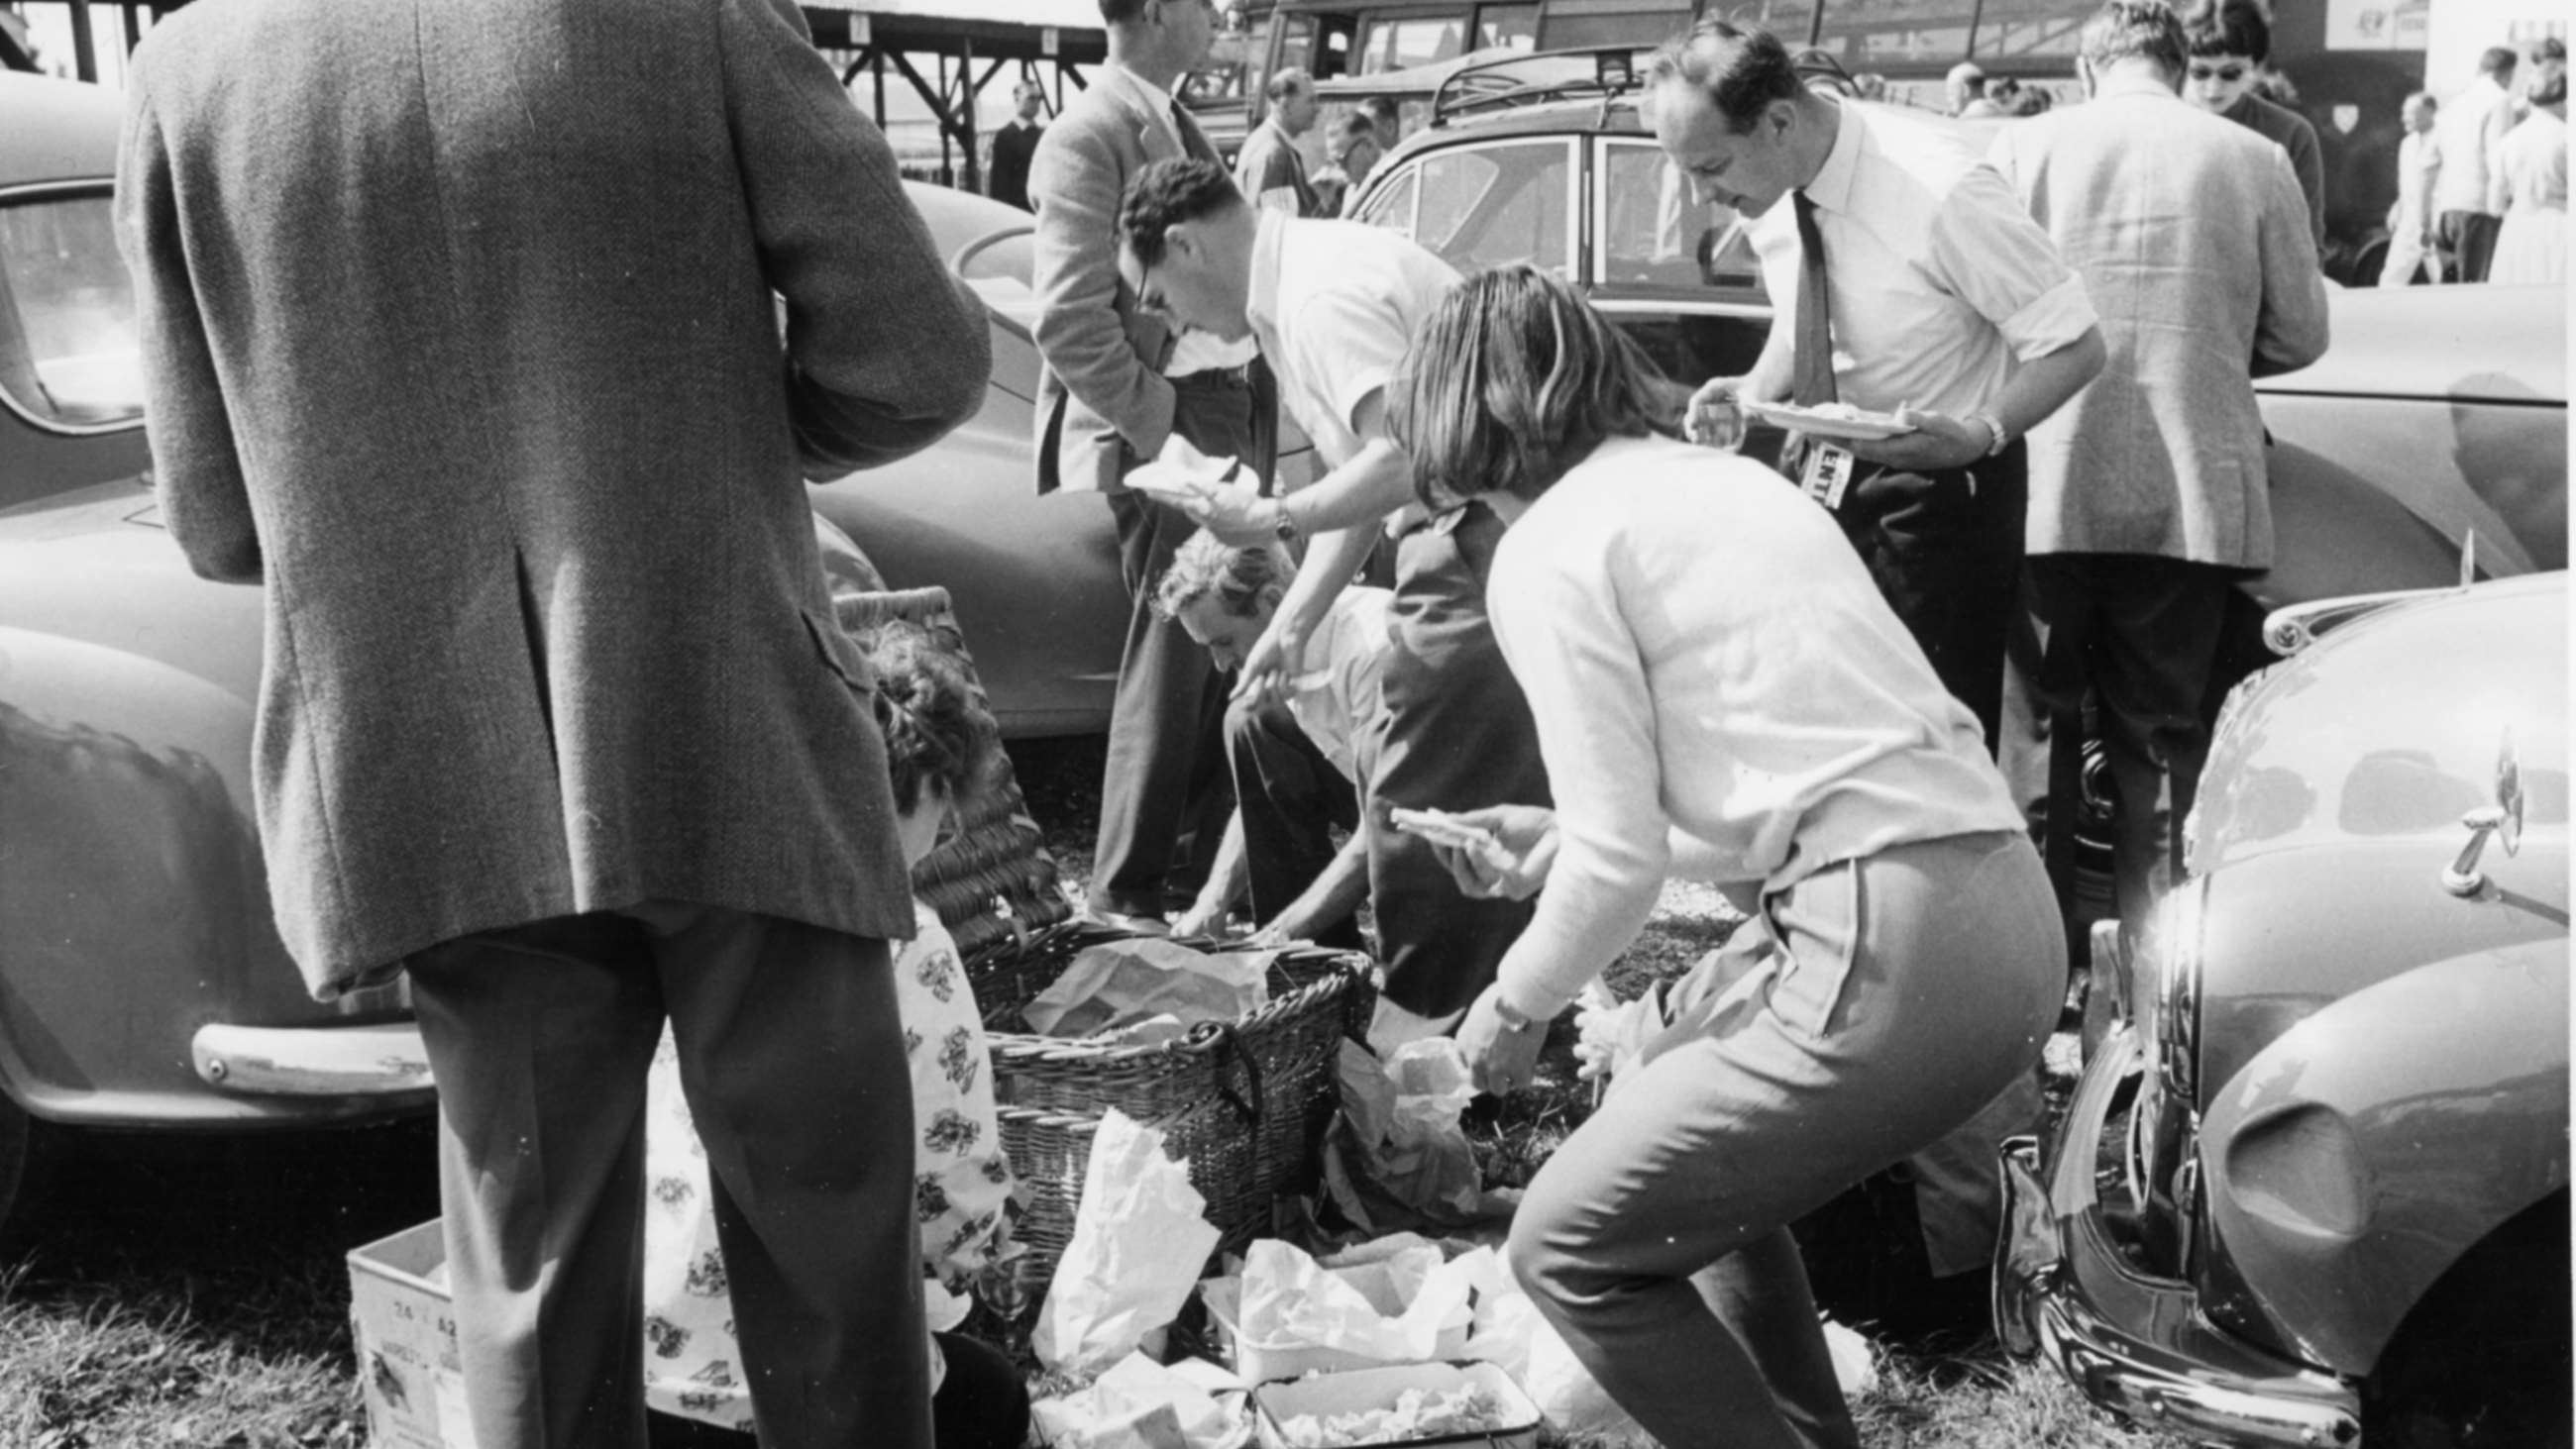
x: 133, y: 900
x: 2352, y: 1162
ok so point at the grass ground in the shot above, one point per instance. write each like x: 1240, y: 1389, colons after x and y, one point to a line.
x: 192, y: 1293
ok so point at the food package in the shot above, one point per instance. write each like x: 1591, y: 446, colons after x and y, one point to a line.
x: 1395, y: 1301
x: 1395, y: 1154
x: 1471, y: 1404
x: 1140, y: 1404
x: 1124, y: 983
x: 1139, y: 1239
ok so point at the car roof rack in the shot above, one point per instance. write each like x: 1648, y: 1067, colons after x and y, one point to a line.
x: 1605, y: 72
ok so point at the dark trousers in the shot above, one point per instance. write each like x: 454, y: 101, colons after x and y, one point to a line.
x: 1456, y: 734
x: 1291, y: 798
x: 791, y: 1055
x: 1163, y: 795
x: 2141, y: 634
x: 2469, y: 237
x: 1945, y: 550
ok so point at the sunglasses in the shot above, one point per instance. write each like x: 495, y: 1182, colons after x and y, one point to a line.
x: 2231, y: 73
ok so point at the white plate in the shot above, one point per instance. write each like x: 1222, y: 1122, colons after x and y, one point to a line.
x: 1823, y: 425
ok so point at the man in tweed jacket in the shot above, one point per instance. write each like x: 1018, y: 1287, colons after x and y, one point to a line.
x: 2148, y: 495
x: 460, y: 338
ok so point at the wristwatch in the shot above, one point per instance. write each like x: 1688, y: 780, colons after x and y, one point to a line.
x: 1994, y: 429
x: 1283, y: 527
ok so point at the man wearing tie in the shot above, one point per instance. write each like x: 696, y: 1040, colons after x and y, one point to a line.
x: 1905, y: 275
x: 1117, y: 386
x: 1907, y: 279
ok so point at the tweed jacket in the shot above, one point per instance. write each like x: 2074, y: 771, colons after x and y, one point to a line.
x: 459, y: 335
x: 2192, y: 239
x: 1102, y: 403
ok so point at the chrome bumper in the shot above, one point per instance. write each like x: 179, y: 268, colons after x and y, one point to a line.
x: 381, y: 1060
x: 2137, y: 1345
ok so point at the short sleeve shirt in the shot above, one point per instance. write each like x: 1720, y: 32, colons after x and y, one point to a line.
x: 1335, y: 305
x: 1335, y: 701
x: 1941, y: 282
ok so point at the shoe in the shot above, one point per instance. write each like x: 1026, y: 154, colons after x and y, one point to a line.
x: 1134, y: 925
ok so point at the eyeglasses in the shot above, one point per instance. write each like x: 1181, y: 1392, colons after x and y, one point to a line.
x: 2231, y: 73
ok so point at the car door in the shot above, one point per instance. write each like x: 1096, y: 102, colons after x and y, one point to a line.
x: 1677, y: 275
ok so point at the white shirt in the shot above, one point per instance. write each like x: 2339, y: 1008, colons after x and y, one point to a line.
x: 1335, y: 304
x: 1703, y: 651
x: 2419, y: 160
x: 1941, y: 282
x: 1192, y: 350
x: 1335, y: 702
x: 2465, y: 132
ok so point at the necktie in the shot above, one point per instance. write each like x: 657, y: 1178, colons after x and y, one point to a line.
x: 1811, y: 352
x: 1812, y: 366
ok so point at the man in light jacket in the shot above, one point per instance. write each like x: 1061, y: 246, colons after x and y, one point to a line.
x: 460, y: 335
x: 2148, y: 497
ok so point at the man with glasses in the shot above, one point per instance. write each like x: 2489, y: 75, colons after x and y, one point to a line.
x: 2230, y: 44
x: 1118, y: 386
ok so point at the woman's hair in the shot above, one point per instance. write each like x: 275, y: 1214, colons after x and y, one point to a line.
x: 1514, y: 380
x: 937, y: 732
x: 1241, y: 580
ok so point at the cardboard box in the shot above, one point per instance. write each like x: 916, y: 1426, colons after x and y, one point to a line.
x: 405, y: 1337
x: 1378, y: 1388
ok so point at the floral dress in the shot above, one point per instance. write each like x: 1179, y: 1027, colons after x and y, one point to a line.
x: 961, y: 1188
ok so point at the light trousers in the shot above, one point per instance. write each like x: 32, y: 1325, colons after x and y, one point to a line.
x: 1867, y: 1010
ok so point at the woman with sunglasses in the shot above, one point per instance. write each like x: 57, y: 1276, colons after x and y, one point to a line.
x: 1720, y: 691
x: 2231, y: 44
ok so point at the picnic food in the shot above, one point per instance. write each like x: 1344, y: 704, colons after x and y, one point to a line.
x: 1416, y: 1414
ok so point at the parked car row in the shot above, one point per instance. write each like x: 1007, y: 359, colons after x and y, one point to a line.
x: 2330, y: 1129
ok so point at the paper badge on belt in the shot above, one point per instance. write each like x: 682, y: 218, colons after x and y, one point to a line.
x: 1826, y: 473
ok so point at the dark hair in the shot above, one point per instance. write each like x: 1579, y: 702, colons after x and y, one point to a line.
x: 2547, y: 48
x: 2229, y: 27
x: 1239, y: 579
x: 1167, y: 193
x: 2140, y: 29
x: 1120, y: 12
x: 1353, y: 125
x: 1741, y: 69
x: 1513, y: 380
x: 937, y: 730
x: 2496, y: 60
x: 1287, y: 81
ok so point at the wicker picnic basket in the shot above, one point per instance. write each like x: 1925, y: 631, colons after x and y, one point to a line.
x: 1245, y: 1102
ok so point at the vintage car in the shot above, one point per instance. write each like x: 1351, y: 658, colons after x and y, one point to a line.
x: 142, y: 983
x: 2436, y: 413
x: 2312, y: 1186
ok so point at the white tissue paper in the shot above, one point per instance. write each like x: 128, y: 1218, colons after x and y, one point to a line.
x: 1128, y: 983
x: 1141, y: 1404
x: 1391, y: 1301
x: 1139, y: 1240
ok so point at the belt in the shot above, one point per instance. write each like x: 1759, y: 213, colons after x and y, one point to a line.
x: 1239, y: 375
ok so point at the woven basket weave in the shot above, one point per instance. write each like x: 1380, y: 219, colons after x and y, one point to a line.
x: 1245, y: 1102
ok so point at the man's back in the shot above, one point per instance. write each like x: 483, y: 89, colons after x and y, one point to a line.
x: 2193, y: 242
x: 2465, y: 133
x: 463, y: 342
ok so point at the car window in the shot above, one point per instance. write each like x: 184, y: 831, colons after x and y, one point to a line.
x: 1486, y: 205
x: 1507, y: 27
x: 1392, y: 206
x: 68, y: 354
x: 1654, y: 235
x: 1400, y: 43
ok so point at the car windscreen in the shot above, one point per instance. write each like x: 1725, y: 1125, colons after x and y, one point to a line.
x: 68, y: 356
